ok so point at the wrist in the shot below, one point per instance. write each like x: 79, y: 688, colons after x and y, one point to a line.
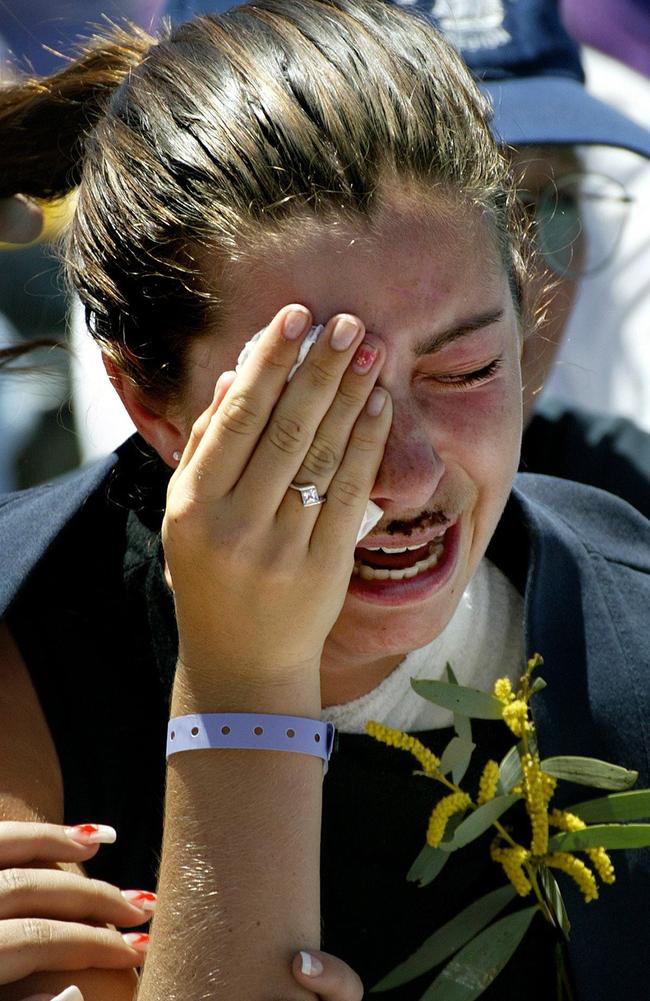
x: 233, y: 690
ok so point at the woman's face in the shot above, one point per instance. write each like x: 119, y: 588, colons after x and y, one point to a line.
x: 431, y: 285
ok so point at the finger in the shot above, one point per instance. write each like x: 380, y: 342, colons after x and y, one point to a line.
x: 299, y: 412
x: 71, y: 993
x: 231, y: 436
x: 327, y: 976
x: 24, y: 842
x: 32, y: 945
x: 21, y: 220
x: 67, y: 896
x: 224, y: 382
x: 347, y: 495
x: 326, y: 451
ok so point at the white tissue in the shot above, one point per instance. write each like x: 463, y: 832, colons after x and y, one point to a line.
x: 373, y: 512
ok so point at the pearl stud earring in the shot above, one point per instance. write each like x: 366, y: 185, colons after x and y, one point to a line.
x: 176, y: 456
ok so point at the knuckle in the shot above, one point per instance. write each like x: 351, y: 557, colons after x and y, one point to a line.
x: 237, y: 416
x: 322, y: 458
x: 365, y: 442
x: 350, y: 399
x: 346, y: 492
x: 15, y: 883
x: 287, y: 434
x: 37, y: 932
x: 321, y: 377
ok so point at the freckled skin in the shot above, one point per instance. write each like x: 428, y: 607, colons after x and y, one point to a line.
x: 451, y: 450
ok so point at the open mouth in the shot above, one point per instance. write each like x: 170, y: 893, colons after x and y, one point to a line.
x: 382, y: 563
x: 404, y: 574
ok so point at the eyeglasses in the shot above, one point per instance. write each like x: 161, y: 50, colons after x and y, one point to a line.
x: 579, y: 219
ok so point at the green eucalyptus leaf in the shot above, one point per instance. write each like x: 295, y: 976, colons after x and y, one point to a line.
x: 510, y: 773
x: 468, y: 701
x: 554, y: 900
x: 602, y: 836
x: 590, y: 772
x: 449, y: 671
x: 619, y: 806
x: 477, y: 822
x: 538, y: 685
x: 473, y: 969
x: 429, y: 863
x: 448, y: 939
x: 462, y: 724
x: 456, y: 754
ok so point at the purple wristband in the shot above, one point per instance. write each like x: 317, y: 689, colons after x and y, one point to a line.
x: 250, y: 730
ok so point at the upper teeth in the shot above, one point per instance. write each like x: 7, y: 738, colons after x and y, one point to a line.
x: 385, y: 549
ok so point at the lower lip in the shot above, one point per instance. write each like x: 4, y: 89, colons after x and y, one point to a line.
x: 411, y: 589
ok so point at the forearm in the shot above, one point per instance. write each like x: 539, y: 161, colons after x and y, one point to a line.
x: 239, y: 890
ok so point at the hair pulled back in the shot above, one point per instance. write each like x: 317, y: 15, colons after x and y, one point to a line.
x: 226, y: 127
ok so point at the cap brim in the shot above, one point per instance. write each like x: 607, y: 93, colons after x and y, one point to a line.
x: 558, y: 111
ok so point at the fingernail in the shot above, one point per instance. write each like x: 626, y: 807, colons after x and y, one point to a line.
x: 310, y: 965
x: 92, y: 834
x: 143, y: 899
x: 365, y: 358
x: 138, y: 940
x: 376, y: 401
x: 69, y: 994
x: 345, y: 330
x: 294, y: 323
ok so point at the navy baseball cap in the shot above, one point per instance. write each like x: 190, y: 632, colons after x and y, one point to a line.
x: 524, y: 60
x: 529, y: 66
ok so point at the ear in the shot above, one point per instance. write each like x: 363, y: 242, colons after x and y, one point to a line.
x: 159, y: 429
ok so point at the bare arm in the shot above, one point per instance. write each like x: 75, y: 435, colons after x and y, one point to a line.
x: 257, y: 590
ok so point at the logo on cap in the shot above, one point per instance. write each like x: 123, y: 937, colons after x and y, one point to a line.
x: 471, y: 24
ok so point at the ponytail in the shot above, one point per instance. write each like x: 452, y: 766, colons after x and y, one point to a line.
x: 44, y: 120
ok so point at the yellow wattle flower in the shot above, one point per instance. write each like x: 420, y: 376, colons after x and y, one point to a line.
x: 578, y: 871
x: 515, y: 715
x: 600, y: 860
x: 405, y: 742
x: 512, y: 860
x: 488, y: 783
x: 442, y: 812
x: 537, y: 792
x: 503, y: 690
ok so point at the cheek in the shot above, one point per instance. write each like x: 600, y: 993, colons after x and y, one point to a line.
x: 479, y: 429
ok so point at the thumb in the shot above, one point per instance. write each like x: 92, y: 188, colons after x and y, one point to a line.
x: 328, y: 977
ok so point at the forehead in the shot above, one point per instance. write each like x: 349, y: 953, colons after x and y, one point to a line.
x: 409, y: 261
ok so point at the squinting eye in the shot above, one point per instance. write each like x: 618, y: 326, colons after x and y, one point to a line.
x: 468, y: 379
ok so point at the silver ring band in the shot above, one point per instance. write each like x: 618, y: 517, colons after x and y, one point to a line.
x: 308, y: 494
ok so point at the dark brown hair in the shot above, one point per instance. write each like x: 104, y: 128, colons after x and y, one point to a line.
x: 224, y: 129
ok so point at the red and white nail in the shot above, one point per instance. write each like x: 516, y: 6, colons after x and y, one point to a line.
x: 143, y: 899
x: 92, y: 834
x: 138, y: 940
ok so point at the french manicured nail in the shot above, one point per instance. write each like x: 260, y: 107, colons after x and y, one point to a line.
x: 310, y: 965
x: 345, y: 330
x: 365, y: 357
x: 69, y: 994
x: 92, y: 834
x: 138, y: 940
x: 295, y: 322
x: 376, y: 401
x: 143, y: 899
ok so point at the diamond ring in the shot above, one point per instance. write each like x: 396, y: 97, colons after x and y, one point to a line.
x: 308, y: 494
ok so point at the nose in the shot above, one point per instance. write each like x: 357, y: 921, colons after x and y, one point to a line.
x: 411, y: 469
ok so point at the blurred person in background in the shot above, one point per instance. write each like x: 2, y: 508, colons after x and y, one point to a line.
x: 35, y: 424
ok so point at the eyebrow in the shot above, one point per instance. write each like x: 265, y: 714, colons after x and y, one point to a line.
x: 445, y: 337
